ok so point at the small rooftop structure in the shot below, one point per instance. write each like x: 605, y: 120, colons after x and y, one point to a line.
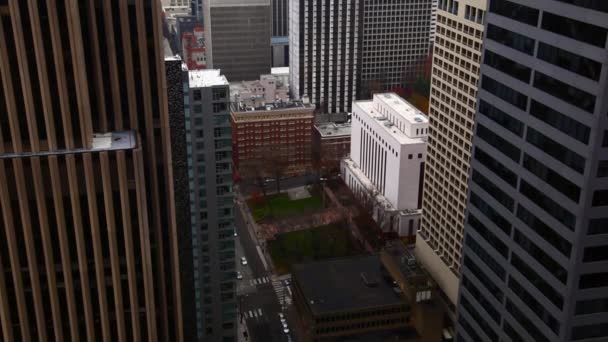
x: 114, y: 141
x: 332, y: 130
x: 354, y: 283
x: 206, y: 78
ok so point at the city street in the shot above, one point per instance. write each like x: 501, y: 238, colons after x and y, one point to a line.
x: 258, y: 291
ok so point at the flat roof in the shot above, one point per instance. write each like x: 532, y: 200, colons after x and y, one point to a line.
x: 330, y: 130
x: 403, y: 108
x: 206, y: 78
x: 339, y: 285
x: 279, y: 71
x: 382, y: 121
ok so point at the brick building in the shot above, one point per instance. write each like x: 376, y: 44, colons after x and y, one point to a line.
x: 331, y: 143
x: 272, y: 140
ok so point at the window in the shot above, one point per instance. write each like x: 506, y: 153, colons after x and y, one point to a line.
x: 505, y: 93
x: 507, y: 66
x: 600, y: 198
x: 501, y: 118
x: 515, y: 11
x: 541, y: 257
x: 498, y: 143
x: 541, y: 284
x: 570, y: 61
x: 479, y: 319
x: 552, y: 178
x: 196, y: 95
x: 490, y: 213
x: 544, y: 231
x: 602, y: 169
x: 564, y: 92
x: 534, y: 305
x: 598, y: 5
x: 493, y: 190
x: 556, y: 150
x: 409, y: 156
x: 487, y: 234
x: 593, y: 280
x: 511, y: 39
x: 598, y: 226
x: 219, y: 107
x: 513, y: 335
x: 483, y: 279
x: 197, y: 109
x: 574, y: 29
x: 527, y: 324
x: 478, y: 296
x: 591, y: 306
x: 469, y: 329
x: 548, y: 204
x: 590, y: 331
x: 561, y: 122
x: 495, y: 166
x: 595, y: 253
x: 219, y: 94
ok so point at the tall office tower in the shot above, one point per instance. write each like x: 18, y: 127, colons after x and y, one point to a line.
x: 455, y: 74
x: 280, y: 33
x: 209, y: 140
x: 88, y: 244
x: 535, y: 261
x: 238, y: 37
x: 324, y: 52
x: 395, y: 44
x: 434, y: 5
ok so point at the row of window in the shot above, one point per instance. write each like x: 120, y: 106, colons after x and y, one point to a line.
x: 575, y: 29
x: 483, y: 279
x: 490, y: 213
x: 534, y: 305
x: 541, y: 256
x: 552, y: 178
x: 548, y: 204
x: 478, y: 296
x: 503, y: 119
x: 527, y: 324
x: 496, y: 167
x: 499, y: 143
x: 556, y: 150
x: 539, y: 282
x: 487, y: 234
x: 494, y: 191
x: 560, y: 121
x: 515, y: 11
x: 544, y: 231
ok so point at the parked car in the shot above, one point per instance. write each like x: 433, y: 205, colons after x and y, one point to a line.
x: 282, y: 317
x: 239, y: 276
x: 243, y: 261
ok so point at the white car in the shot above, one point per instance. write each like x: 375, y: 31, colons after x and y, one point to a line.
x: 282, y: 317
x: 239, y: 276
x: 286, y: 330
x: 243, y: 261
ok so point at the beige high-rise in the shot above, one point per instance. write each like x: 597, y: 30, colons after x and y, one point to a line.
x: 455, y: 76
x: 88, y: 240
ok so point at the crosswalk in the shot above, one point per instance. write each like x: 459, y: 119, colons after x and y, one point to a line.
x: 254, y: 313
x: 259, y: 281
x: 283, y: 292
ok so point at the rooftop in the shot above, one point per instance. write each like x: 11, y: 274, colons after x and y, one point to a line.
x: 403, y: 108
x: 355, y: 283
x: 206, y: 78
x: 384, y: 123
x: 332, y: 129
x: 114, y: 141
x: 277, y: 105
x: 279, y: 71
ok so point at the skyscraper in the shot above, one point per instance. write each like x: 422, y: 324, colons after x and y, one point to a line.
x: 238, y: 37
x: 535, y: 262
x: 209, y: 139
x: 88, y: 234
x: 324, y: 44
x: 454, y: 80
x: 280, y: 33
x: 395, y: 44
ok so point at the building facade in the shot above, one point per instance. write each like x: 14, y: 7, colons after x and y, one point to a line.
x: 238, y: 36
x: 280, y: 33
x: 454, y: 81
x: 209, y: 142
x: 331, y: 144
x: 324, y: 52
x: 273, y: 140
x: 89, y: 239
x: 388, y: 148
x: 534, y: 264
x: 395, y: 44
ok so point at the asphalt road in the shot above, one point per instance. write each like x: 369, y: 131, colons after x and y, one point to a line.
x: 258, y: 302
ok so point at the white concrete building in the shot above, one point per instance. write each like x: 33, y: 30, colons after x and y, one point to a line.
x: 388, y: 149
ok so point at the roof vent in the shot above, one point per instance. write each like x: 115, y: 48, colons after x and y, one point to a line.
x: 418, y: 119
